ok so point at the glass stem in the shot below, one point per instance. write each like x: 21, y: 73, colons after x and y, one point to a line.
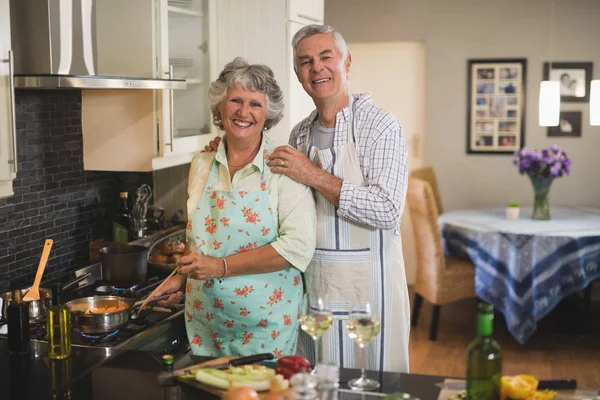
x: 366, y: 355
x: 316, y: 340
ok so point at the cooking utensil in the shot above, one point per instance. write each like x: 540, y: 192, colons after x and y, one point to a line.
x: 139, y: 209
x: 37, y: 308
x: 97, y: 323
x: 124, y: 265
x: 221, y: 365
x: 165, y: 267
x: 34, y: 292
x: 195, y: 250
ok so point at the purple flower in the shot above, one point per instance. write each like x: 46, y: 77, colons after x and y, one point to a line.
x: 547, y: 163
x: 555, y: 169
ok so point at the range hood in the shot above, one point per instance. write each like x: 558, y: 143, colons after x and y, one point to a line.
x: 55, y: 44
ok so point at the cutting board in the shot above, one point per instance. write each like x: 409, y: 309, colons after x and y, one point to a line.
x: 207, y: 388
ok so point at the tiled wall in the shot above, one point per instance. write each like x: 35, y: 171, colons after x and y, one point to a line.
x: 54, y: 197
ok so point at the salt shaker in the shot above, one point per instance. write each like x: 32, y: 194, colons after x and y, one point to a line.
x: 328, y: 376
x: 304, y: 387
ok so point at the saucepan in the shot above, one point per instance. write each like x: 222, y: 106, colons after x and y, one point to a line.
x: 103, y: 314
x: 37, y: 308
x: 124, y: 265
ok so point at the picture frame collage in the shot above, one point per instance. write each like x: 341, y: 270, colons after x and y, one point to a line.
x: 496, y: 105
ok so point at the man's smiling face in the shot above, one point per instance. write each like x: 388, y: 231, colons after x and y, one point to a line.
x: 322, y: 71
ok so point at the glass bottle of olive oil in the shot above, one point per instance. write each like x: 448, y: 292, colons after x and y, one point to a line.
x: 484, y: 359
x: 59, y: 327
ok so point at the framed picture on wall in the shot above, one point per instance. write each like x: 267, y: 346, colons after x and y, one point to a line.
x: 569, y: 126
x: 496, y: 92
x: 574, y: 77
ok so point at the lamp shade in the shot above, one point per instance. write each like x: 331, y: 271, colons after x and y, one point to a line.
x: 595, y: 103
x: 549, y: 114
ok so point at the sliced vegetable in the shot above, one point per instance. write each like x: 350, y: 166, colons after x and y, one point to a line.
x: 254, y: 376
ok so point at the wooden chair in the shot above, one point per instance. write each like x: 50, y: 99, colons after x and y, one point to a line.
x: 428, y: 174
x: 440, y: 279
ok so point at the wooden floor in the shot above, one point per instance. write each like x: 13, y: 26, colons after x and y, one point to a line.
x: 565, y: 346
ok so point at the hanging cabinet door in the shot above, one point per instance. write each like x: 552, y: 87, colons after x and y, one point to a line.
x: 186, y: 41
x: 7, y: 106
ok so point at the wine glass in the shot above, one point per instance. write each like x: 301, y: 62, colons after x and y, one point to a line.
x: 316, y: 319
x: 363, y: 326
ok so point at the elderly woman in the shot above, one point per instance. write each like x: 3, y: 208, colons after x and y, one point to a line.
x: 253, y: 232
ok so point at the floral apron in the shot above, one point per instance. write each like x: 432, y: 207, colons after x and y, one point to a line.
x: 247, y: 314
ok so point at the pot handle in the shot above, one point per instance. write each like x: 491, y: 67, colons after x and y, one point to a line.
x: 75, y: 281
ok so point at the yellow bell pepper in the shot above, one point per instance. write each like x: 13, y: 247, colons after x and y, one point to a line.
x: 519, y: 387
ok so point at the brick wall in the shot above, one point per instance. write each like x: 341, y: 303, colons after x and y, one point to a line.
x: 54, y: 197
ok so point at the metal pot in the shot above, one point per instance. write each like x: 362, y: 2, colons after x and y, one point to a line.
x: 124, y: 265
x: 37, y: 308
x: 103, y: 322
x: 98, y: 323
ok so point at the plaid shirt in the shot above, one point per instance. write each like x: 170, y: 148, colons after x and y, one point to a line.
x: 383, y: 160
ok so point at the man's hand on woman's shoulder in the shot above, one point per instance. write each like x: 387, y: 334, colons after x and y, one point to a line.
x: 213, y: 145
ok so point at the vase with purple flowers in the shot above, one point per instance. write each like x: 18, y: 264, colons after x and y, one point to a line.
x: 542, y: 167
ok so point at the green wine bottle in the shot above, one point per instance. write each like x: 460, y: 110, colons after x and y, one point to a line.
x: 484, y: 359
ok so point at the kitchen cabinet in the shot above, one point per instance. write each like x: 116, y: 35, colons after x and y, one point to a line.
x: 8, y: 153
x: 139, y: 130
x: 306, y: 11
x: 261, y: 31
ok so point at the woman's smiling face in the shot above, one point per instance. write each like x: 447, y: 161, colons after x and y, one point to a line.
x: 243, y: 113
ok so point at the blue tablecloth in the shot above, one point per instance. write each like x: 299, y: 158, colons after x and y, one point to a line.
x: 525, y: 267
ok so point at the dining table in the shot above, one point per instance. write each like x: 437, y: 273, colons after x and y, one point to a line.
x: 525, y: 267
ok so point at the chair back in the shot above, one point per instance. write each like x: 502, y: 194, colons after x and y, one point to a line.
x: 428, y: 174
x: 427, y: 237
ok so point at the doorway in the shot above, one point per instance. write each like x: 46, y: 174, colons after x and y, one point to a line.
x: 394, y: 74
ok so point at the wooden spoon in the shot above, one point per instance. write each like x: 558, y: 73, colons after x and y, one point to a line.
x: 34, y: 292
x: 195, y: 250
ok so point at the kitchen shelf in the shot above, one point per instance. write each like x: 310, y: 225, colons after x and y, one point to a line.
x: 194, y: 81
x: 183, y: 11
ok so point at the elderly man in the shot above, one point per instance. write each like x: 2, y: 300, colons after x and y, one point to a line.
x: 353, y: 154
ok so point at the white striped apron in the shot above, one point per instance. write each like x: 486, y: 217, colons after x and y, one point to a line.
x: 356, y: 262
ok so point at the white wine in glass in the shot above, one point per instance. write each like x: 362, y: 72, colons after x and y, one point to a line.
x: 363, y: 330
x: 363, y: 326
x: 316, y: 325
x: 315, y: 320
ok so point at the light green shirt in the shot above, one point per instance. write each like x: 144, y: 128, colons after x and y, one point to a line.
x: 292, y: 203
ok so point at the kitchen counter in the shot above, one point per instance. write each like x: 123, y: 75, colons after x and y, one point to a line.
x: 132, y: 374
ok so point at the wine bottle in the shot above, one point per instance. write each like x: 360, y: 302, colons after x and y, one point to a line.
x: 122, y: 221
x: 17, y: 318
x: 59, y: 327
x: 484, y: 359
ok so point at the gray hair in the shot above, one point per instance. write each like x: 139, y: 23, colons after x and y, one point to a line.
x: 311, y: 30
x: 253, y: 77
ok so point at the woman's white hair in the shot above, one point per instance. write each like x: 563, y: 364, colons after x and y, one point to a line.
x: 311, y: 30
x: 253, y: 77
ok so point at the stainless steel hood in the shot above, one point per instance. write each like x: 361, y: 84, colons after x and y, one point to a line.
x: 55, y: 47
x: 94, y: 82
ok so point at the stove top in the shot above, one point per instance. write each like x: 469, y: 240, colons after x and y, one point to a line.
x: 127, y: 335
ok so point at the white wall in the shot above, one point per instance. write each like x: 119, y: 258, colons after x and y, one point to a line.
x: 456, y: 30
